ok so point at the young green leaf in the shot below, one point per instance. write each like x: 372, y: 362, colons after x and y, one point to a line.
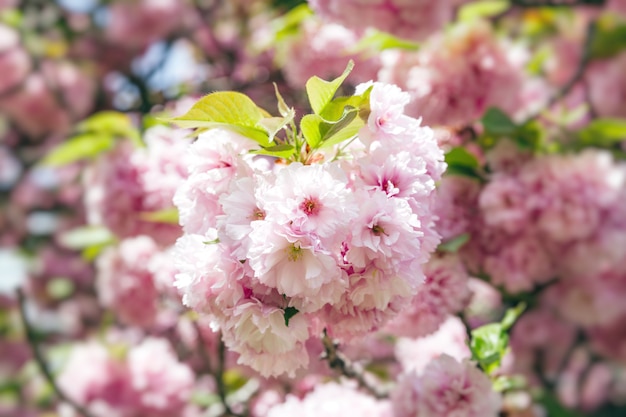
x: 603, y: 132
x: 488, y: 343
x: 461, y: 162
x: 168, y: 216
x: 311, y: 127
x: 453, y: 245
x: 273, y: 125
x: 498, y: 123
x: 279, y: 151
x: 85, y: 236
x: 321, y: 92
x: 229, y: 110
x: 377, y: 41
x: 482, y: 9
x: 83, y: 146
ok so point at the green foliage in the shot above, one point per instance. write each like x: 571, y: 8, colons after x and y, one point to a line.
x: 489, y: 342
x: 498, y: 125
x: 461, y: 162
x: 168, y: 216
x: 95, y: 135
x: 289, y: 24
x: 453, y: 245
x: 91, y: 240
x: 603, y: 132
x: 609, y: 37
x: 230, y: 110
x: 376, y: 41
x: 280, y: 151
x: 85, y: 236
x: 289, y: 313
x: 482, y: 9
x: 321, y: 92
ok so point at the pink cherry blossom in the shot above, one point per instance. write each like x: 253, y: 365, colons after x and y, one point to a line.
x: 332, y: 400
x: 444, y: 388
x: 127, y: 183
x: 403, y: 18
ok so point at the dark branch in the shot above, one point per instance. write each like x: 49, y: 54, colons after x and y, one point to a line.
x: 337, y: 360
x: 41, y: 361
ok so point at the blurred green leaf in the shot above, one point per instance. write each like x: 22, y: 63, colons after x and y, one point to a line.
x: 609, y: 37
x: 84, y: 146
x: 488, y: 343
x: 498, y: 123
x: 289, y: 24
x: 233, y: 380
x: 169, y: 216
x: 482, y: 9
x: 60, y: 288
x: 453, y: 245
x: 85, y: 236
x: 461, y: 162
x: 376, y: 41
x: 603, y: 132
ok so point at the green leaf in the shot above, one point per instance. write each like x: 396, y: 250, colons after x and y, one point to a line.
x: 609, y: 38
x: 289, y: 313
x: 603, y: 132
x: 310, y: 125
x: 498, y: 123
x: 461, y: 156
x: 284, y: 151
x: 482, y: 9
x: 289, y: 24
x: 349, y: 114
x: 84, y: 146
x: 113, y: 123
x: 168, y: 216
x: 377, y: 41
x: 453, y: 245
x: 233, y: 380
x: 60, y: 288
x: 85, y: 236
x: 461, y: 162
x: 351, y: 125
x: 273, y: 125
x: 321, y: 92
x: 488, y: 343
x: 511, y: 316
x: 507, y: 382
x: 226, y: 109
x: 283, y: 108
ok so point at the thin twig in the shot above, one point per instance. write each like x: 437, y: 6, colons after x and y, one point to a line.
x: 218, y: 373
x: 337, y: 360
x: 41, y: 361
x: 580, y: 69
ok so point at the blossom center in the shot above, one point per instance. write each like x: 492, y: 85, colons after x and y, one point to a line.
x: 378, y: 230
x: 294, y: 252
x: 310, y: 206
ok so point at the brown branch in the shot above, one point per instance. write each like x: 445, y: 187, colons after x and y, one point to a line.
x: 339, y: 361
x: 41, y: 361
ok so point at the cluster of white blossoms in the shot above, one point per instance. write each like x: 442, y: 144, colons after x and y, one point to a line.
x: 277, y: 250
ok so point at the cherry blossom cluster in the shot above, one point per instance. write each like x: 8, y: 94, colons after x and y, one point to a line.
x: 275, y: 252
x: 147, y: 380
x: 130, y: 182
